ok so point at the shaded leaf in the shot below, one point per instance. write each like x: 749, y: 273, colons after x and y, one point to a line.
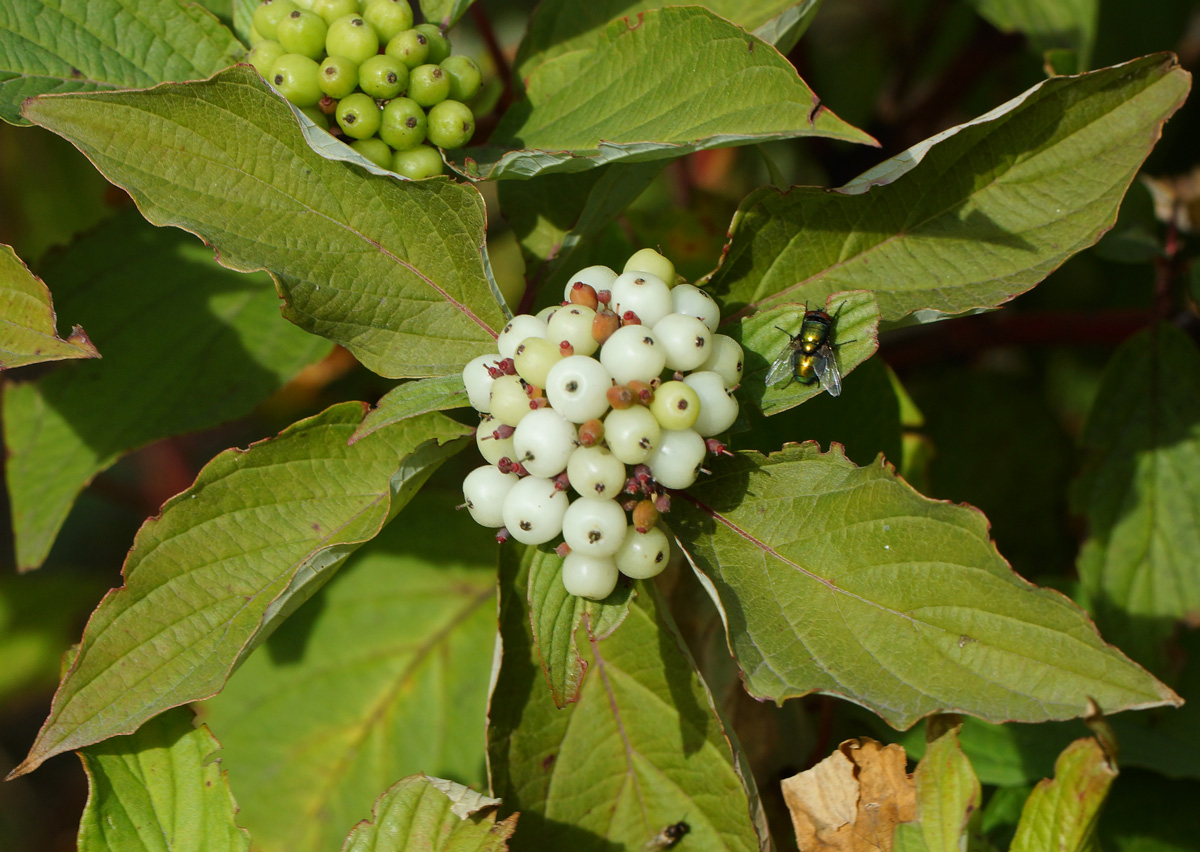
x: 555, y: 616
x: 844, y: 580
x: 642, y: 746
x: 852, y: 800
x: 157, y: 789
x: 260, y: 531
x: 27, y: 322
x: 390, y: 662
x: 789, y: 24
x: 949, y: 799
x: 1140, y: 495
x: 638, y: 93
x: 417, y: 814
x: 53, y: 46
x: 187, y: 345
x: 1049, y: 24
x: 966, y: 219
x: 391, y: 269
x: 445, y: 13
x: 1062, y: 813
x: 412, y: 399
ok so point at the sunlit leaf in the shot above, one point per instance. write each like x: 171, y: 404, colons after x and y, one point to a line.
x: 260, y: 531
x: 27, y: 322
x: 949, y: 800
x: 413, y: 398
x: 1062, y: 813
x: 969, y: 218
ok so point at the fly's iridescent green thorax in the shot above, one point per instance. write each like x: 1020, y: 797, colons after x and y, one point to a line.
x: 809, y: 357
x: 815, y: 330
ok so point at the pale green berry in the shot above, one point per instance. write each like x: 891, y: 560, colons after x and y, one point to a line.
x: 352, y: 37
x: 632, y: 433
x: 439, y: 45
x: 303, y: 32
x: 331, y: 10
x: 508, y: 400
x: 595, y: 473
x: 268, y: 15
x: 573, y: 324
x: 403, y: 125
x: 648, y: 260
x: 388, y: 17
x: 675, y: 463
x: 418, y: 162
x: 264, y: 55
x: 644, y: 555
x: 297, y: 78
x: 490, y: 447
x: 675, y: 406
x: 451, y: 123
x: 339, y: 77
x: 534, y: 358
x: 428, y: 85
x: 410, y: 46
x: 375, y: 150
x: 382, y: 77
x: 358, y: 116
x: 465, y: 77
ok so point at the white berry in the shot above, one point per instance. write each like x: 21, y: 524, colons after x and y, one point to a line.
x: 644, y: 555
x: 592, y: 577
x: 632, y: 433
x: 686, y: 341
x: 485, y: 490
x: 676, y: 460
x: 544, y: 440
x: 632, y: 353
x: 577, y: 388
x: 533, y: 510
x: 595, y: 473
x: 726, y: 358
x: 490, y: 447
x: 594, y: 527
x: 573, y: 324
x: 645, y: 294
x: 718, y: 407
x: 597, y: 277
x: 690, y: 300
x: 519, y: 327
x: 479, y: 382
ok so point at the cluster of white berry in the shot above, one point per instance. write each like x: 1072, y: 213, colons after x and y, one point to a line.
x: 576, y: 399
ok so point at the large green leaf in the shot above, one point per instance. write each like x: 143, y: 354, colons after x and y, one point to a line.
x: 27, y: 322
x: 844, y: 580
x: 390, y: 663
x: 1141, y: 494
x: 666, y: 83
x: 413, y: 398
x: 187, y: 345
x: 966, y: 219
x: 641, y: 748
x: 159, y: 789
x: 68, y: 46
x: 1062, y: 813
x: 1049, y: 24
x: 559, y: 27
x: 260, y: 531
x: 391, y: 269
x: 420, y: 814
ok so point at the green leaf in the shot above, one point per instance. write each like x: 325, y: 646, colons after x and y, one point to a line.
x: 207, y: 346
x: 412, y: 399
x: 641, y: 748
x: 844, y: 580
x: 789, y: 24
x: 57, y: 46
x: 159, y: 789
x: 856, y: 327
x: 444, y: 13
x: 639, y: 93
x: 560, y: 27
x: 556, y: 615
x: 948, y: 799
x: 390, y: 662
x: 1049, y: 24
x: 1062, y: 814
x: 420, y: 814
x: 391, y: 269
x: 966, y: 219
x: 260, y: 531
x: 243, y: 17
x: 1140, y: 494
x: 27, y: 322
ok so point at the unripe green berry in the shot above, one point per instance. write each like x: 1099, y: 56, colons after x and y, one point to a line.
x: 643, y: 555
x: 303, y: 32
x: 534, y: 358
x: 358, y: 116
x: 317, y: 117
x: 268, y: 15
x: 388, y: 17
x: 383, y: 77
x: 410, y: 47
x: 428, y: 85
x: 648, y: 260
x: 572, y: 324
x: 339, y: 77
x: 465, y: 77
x: 297, y: 79
x: 403, y: 124
x: 353, y: 38
x: 508, y: 401
x: 675, y: 406
x: 331, y: 10
x: 264, y: 55
x: 375, y: 150
x: 451, y: 123
x: 439, y: 45
x: 419, y: 162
